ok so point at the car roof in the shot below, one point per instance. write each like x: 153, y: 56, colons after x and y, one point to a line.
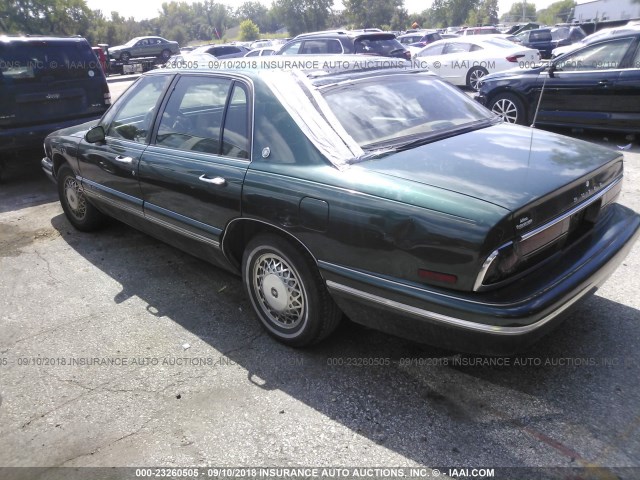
x: 38, y: 38
x: 346, y: 33
x: 320, y: 68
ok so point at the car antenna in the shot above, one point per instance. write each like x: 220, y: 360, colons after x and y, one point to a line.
x: 544, y: 82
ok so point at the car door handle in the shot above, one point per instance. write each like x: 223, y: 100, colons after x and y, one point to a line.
x: 219, y: 181
x: 123, y: 159
x: 603, y: 83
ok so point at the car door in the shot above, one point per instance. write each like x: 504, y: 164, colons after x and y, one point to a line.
x: 581, y: 89
x: 191, y: 175
x: 627, y: 93
x: 108, y: 169
x: 140, y: 48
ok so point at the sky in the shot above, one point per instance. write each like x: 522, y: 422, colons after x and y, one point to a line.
x: 150, y: 8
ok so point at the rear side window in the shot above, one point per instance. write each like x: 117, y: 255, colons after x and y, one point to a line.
x: 540, y: 37
x: 320, y: 46
x: 45, y: 61
x: 376, y: 46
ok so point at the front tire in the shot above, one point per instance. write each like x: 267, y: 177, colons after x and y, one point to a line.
x: 124, y: 57
x: 165, y: 54
x: 82, y: 215
x: 508, y: 107
x: 287, y: 292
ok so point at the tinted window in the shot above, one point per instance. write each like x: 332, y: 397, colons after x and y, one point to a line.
x: 540, y: 36
x: 376, y: 46
x: 235, y: 138
x: 375, y: 112
x: 315, y: 47
x: 23, y: 62
x: 134, y: 116
x: 606, y: 55
x: 193, y: 116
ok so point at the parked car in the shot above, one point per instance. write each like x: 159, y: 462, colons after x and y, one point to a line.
x: 594, y: 37
x: 464, y: 61
x: 46, y: 83
x: 222, y: 51
x: 420, y: 39
x: 144, y: 47
x: 261, y: 52
x: 596, y: 86
x: 345, y: 42
x: 386, y: 194
x: 566, y: 35
x: 480, y: 31
x: 539, y: 38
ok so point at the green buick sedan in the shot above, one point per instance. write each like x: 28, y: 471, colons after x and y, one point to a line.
x: 380, y: 194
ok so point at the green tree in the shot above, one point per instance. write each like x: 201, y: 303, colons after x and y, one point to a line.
x: 372, y: 13
x: 249, y: 31
x: 515, y: 13
x: 304, y: 15
x: 556, y: 12
x: 256, y: 12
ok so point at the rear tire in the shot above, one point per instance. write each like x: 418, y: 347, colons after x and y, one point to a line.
x: 287, y: 292
x: 509, y: 107
x: 474, y: 77
x: 82, y: 215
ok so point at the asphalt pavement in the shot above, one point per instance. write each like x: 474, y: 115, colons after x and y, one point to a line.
x: 118, y: 350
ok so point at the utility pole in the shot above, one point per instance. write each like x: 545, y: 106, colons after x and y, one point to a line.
x: 524, y: 10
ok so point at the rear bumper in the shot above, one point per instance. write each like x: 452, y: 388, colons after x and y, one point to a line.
x: 31, y: 137
x: 504, y: 321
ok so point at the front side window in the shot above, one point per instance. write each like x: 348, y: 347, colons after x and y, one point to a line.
x: 192, y: 119
x: 406, y: 107
x: 132, y: 117
x: 603, y: 56
x: 207, y: 115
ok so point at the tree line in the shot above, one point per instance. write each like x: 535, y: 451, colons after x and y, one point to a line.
x: 209, y: 20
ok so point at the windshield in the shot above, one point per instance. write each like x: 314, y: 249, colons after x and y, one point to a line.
x: 392, y: 110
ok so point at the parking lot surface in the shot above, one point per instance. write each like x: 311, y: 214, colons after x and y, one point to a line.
x: 118, y: 350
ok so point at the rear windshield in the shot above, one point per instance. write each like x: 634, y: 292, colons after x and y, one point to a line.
x: 383, y: 111
x: 377, y: 46
x: 23, y: 62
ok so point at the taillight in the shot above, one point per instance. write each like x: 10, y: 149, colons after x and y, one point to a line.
x: 514, y: 58
x: 407, y: 55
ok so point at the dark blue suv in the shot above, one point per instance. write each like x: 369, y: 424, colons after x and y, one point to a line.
x: 46, y: 83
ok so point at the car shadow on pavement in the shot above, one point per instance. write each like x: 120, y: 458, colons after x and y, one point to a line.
x: 432, y: 406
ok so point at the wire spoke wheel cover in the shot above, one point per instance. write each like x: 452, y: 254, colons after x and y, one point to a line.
x: 287, y: 292
x: 74, y: 197
x: 281, y: 295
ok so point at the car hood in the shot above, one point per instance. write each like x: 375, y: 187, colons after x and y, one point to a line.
x: 506, y: 165
x: 75, y: 131
x: 513, y: 74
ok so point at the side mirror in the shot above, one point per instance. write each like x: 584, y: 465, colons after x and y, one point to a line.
x: 95, y: 135
x: 552, y: 70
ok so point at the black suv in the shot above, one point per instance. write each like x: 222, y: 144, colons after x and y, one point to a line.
x: 46, y: 83
x: 540, y: 39
x: 338, y: 41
